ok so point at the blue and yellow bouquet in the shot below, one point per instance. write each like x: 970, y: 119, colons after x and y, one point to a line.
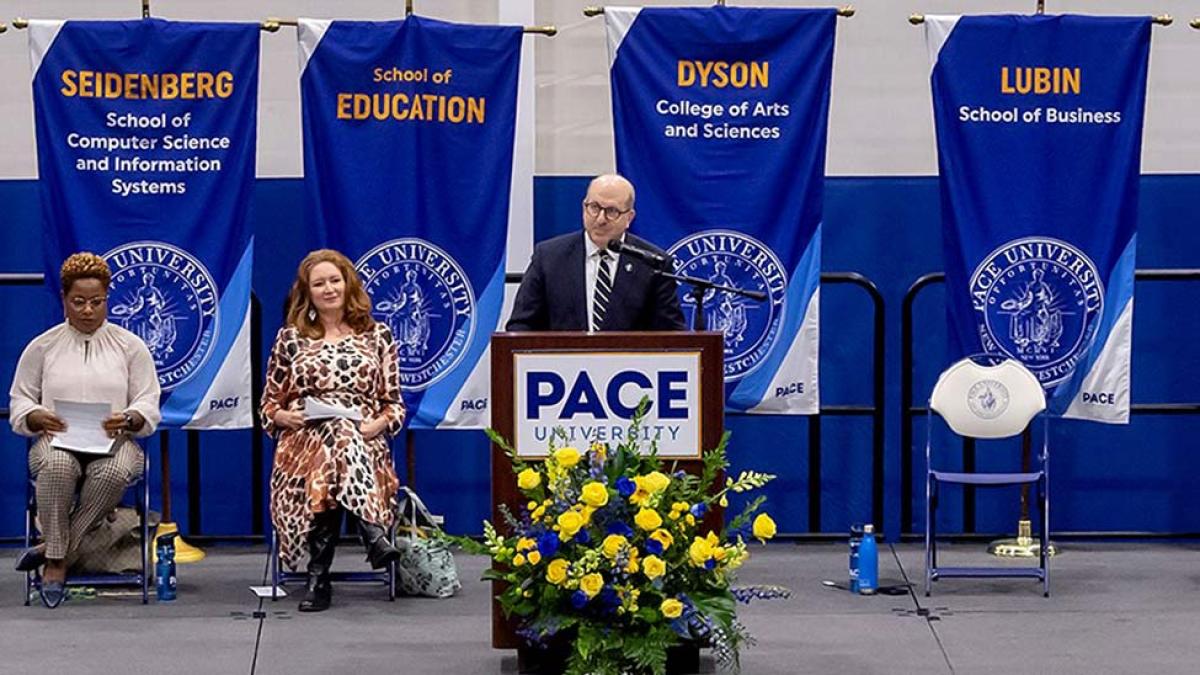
x: 612, y: 553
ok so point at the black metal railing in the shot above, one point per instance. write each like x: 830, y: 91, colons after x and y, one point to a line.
x: 874, y: 411
x: 910, y: 412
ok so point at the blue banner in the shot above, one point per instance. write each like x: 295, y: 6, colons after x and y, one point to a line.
x: 720, y: 117
x: 408, y: 152
x: 1039, y: 130
x: 146, y: 148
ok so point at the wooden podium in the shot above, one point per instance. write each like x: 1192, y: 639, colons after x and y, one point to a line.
x: 599, y: 352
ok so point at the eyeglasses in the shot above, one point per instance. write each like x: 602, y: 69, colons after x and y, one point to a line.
x: 610, y: 212
x: 95, y: 303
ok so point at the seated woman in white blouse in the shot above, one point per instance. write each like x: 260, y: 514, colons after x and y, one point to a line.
x: 89, y: 360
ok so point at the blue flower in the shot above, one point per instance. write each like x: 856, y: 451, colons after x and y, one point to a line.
x: 618, y: 527
x: 579, y: 599
x: 699, y: 509
x: 548, y: 544
x: 608, y: 597
x: 654, y: 546
x: 583, y: 537
x: 709, y: 564
x: 625, y: 487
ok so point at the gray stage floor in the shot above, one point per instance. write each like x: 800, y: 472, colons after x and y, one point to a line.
x: 1114, y: 608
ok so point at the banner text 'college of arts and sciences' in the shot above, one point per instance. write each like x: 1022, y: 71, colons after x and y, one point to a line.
x: 1039, y: 130
x: 720, y: 117
x: 408, y: 150
x: 146, y: 137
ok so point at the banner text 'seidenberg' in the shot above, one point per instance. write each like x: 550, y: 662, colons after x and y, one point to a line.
x: 146, y: 147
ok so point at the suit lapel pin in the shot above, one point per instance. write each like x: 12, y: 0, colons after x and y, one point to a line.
x: 628, y: 267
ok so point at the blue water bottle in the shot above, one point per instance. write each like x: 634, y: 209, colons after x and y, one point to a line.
x: 856, y: 534
x: 868, y: 562
x: 164, y: 569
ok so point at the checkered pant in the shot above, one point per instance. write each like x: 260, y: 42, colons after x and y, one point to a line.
x: 58, y: 472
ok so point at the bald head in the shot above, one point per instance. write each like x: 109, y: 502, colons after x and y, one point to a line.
x: 614, y: 181
x: 608, y: 208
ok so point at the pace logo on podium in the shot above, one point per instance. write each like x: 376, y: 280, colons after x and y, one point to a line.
x: 424, y: 296
x: 593, y: 398
x: 1039, y: 300
x: 165, y: 296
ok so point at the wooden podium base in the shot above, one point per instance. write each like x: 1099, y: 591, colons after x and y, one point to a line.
x: 552, y: 660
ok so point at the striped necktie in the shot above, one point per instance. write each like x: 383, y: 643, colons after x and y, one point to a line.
x: 603, y: 290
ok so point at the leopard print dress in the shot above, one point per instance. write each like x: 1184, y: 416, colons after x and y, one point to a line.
x: 328, y: 463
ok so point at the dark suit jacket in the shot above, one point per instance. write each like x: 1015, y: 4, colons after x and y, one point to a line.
x: 553, y: 293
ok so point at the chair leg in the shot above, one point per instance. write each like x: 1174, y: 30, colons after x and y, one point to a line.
x: 391, y: 568
x: 145, y: 517
x: 29, y: 505
x: 1045, y: 560
x: 930, y: 540
x: 273, y: 554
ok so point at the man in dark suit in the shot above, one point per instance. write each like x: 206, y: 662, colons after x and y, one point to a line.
x: 575, y: 283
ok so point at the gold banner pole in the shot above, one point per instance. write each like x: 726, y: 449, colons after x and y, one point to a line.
x: 145, y: 9
x: 274, y: 23
x: 1195, y: 24
x: 3, y: 27
x: 1024, y: 545
x: 845, y: 11
x: 1160, y: 20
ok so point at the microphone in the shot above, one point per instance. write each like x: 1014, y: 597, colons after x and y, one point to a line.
x: 656, y: 260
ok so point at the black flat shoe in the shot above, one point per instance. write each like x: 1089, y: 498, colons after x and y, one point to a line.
x: 53, y: 593
x: 31, y: 559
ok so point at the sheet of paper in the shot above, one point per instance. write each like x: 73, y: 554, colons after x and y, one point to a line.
x: 316, y: 409
x: 265, y: 591
x: 84, y: 431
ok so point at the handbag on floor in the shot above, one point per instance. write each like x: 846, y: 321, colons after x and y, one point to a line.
x: 426, y: 565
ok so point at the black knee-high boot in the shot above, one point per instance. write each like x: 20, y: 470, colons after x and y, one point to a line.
x: 322, y: 541
x: 380, y: 551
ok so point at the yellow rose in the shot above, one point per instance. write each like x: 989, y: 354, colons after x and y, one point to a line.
x: 591, y: 584
x: 612, y: 545
x: 594, y: 494
x: 663, y: 537
x: 764, y: 527
x: 519, y: 559
x: 556, y: 571
x: 656, y: 481
x: 534, y: 557
x: 529, y: 479
x: 671, y: 608
x: 569, y: 524
x: 588, y: 512
x: 639, y: 497
x: 699, y: 552
x: 566, y: 457
x: 653, y: 567
x: 648, y: 519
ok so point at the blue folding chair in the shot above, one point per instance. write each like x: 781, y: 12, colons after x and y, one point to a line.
x: 281, y: 577
x: 33, y: 580
x: 987, y: 397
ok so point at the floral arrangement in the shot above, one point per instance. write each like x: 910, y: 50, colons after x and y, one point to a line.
x: 611, y: 553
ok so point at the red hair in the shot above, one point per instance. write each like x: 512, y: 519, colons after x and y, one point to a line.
x: 300, y: 305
